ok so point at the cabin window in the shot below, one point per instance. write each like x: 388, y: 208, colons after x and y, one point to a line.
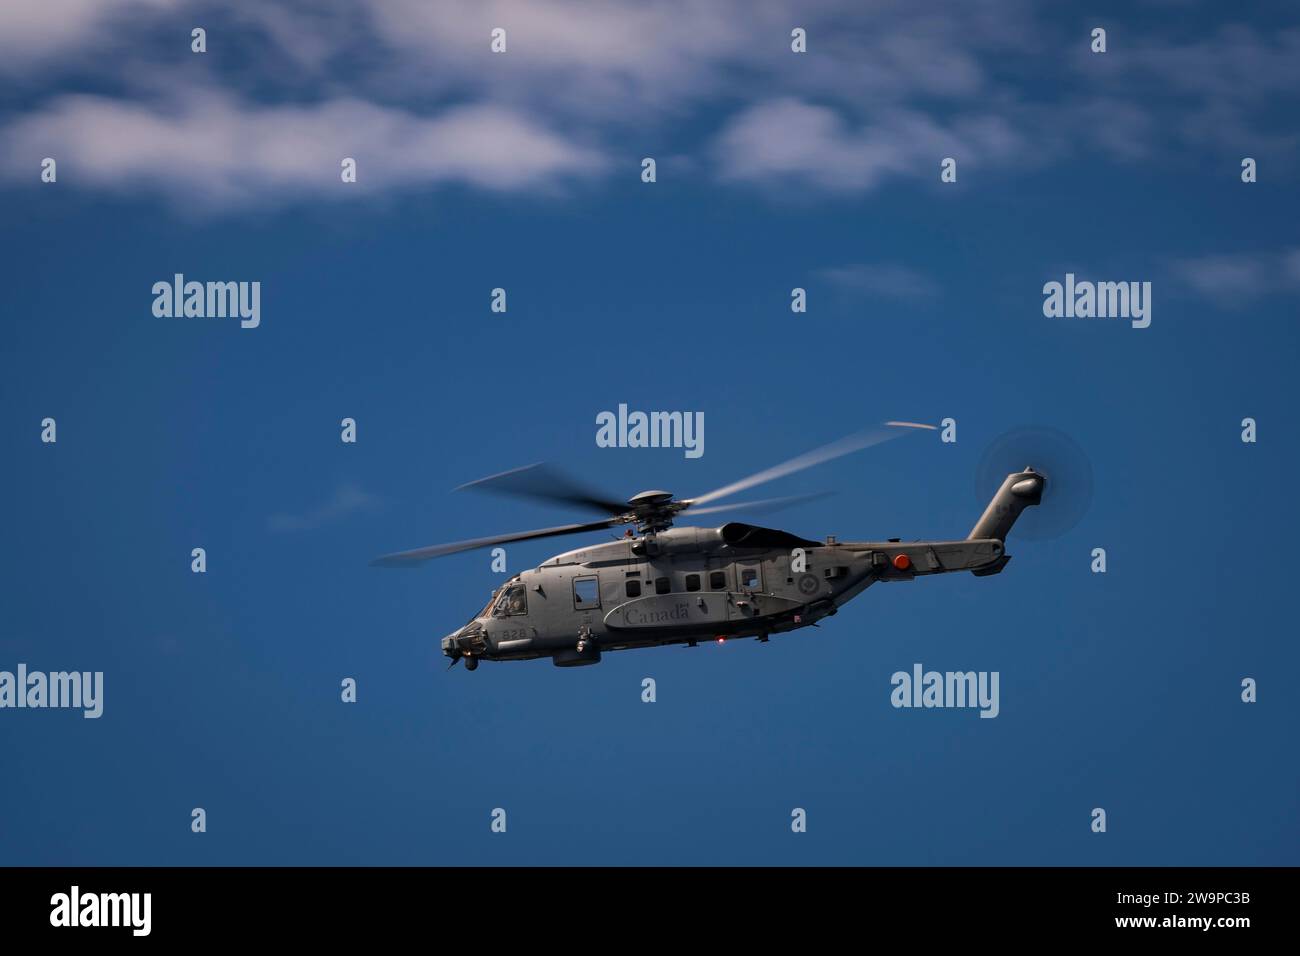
x: 663, y: 585
x: 749, y: 578
x: 633, y: 588
x: 717, y: 580
x: 586, y: 593
x: 692, y: 582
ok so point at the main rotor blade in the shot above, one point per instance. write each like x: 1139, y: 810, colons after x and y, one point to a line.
x: 836, y: 449
x: 419, y: 555
x: 542, y: 481
x: 763, y: 505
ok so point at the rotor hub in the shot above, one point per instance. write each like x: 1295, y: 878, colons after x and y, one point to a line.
x: 653, y: 510
x: 650, y: 499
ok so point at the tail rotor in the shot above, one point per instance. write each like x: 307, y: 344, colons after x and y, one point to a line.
x: 1067, y: 489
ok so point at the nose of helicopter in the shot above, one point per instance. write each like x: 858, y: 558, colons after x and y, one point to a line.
x: 453, y: 645
x: 465, y: 641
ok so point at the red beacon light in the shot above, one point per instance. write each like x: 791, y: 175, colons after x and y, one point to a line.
x: 902, y: 562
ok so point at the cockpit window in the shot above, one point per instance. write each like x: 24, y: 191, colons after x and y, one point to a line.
x: 513, y: 600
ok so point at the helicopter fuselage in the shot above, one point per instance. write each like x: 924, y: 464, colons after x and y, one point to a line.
x: 684, y: 585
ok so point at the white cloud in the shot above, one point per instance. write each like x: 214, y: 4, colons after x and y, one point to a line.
x: 881, y: 279
x: 210, y: 148
x: 637, y: 59
x: 412, y: 90
x: 1236, y: 63
x: 789, y: 140
x: 1234, y: 280
x: 32, y: 30
x: 593, y: 57
x: 348, y: 499
x: 1213, y: 92
x: 1291, y: 266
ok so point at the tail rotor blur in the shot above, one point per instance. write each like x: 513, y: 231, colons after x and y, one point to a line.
x: 1059, y: 459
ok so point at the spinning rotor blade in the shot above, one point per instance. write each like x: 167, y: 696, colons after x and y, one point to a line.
x: 542, y: 481
x: 837, y: 449
x: 403, y: 559
x: 764, y: 505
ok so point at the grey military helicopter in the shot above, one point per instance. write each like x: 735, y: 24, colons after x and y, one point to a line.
x: 661, y: 584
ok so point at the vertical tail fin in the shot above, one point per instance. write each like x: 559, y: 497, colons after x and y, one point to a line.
x: 1021, y: 490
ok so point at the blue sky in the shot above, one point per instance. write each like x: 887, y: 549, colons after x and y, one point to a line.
x: 522, y: 171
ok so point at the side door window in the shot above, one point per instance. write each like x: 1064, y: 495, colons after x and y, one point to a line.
x: 586, y: 593
x: 631, y: 585
x: 750, y: 577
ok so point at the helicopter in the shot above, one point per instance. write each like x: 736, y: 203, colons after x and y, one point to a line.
x: 661, y: 584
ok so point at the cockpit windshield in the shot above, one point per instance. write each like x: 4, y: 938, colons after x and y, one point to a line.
x: 512, y: 599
